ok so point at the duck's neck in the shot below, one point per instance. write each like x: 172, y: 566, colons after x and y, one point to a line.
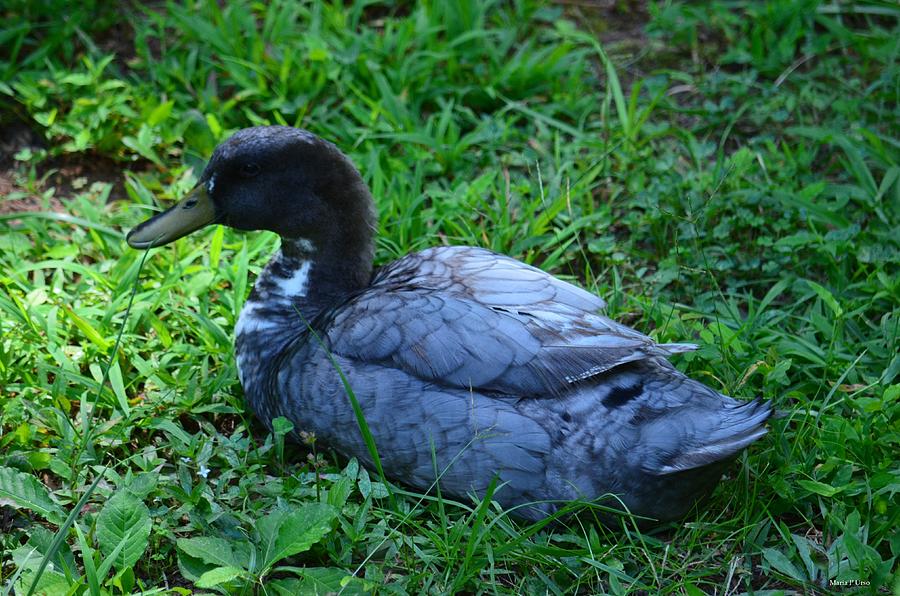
x: 304, y: 278
x: 325, y: 257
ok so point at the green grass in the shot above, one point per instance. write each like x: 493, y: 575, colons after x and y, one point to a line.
x: 736, y: 184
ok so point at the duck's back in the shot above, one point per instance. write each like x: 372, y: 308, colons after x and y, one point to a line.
x: 468, y: 364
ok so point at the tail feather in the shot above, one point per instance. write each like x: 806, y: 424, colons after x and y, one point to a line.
x: 741, y: 425
x: 670, y: 349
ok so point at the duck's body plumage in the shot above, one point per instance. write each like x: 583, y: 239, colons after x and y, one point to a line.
x: 503, y: 369
x: 470, y: 365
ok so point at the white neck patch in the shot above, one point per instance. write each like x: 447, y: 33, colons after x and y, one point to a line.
x: 304, y: 245
x: 298, y: 283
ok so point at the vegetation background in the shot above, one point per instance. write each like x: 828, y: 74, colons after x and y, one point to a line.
x: 722, y: 172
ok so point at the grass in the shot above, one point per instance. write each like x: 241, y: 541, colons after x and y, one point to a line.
x: 735, y: 182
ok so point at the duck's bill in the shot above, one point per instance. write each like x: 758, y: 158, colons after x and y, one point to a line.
x: 193, y: 212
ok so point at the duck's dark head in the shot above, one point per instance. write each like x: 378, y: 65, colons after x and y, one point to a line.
x: 276, y: 178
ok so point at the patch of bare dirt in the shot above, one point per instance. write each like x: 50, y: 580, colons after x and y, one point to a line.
x: 614, y: 21
x: 75, y: 172
x: 68, y: 174
x: 23, y: 201
x: 118, y: 39
x: 619, y: 25
x: 15, y: 137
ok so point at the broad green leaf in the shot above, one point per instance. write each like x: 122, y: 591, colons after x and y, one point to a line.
x: 24, y: 491
x: 40, y: 541
x: 161, y: 330
x: 191, y: 567
x: 339, y: 492
x: 142, y: 144
x: 820, y: 488
x: 827, y: 297
x: 87, y: 559
x: 111, y: 559
x: 51, y: 582
x: 215, y: 247
x: 692, y: 590
x: 772, y: 294
x: 219, y: 575
x: 215, y: 551
x: 174, y: 431
x: 321, y: 580
x: 160, y: 112
x: 124, y: 520
x: 855, y: 548
x: 85, y: 327
x: 286, y: 533
x: 803, y: 548
x: 780, y: 562
x: 27, y: 560
x: 282, y: 426
x: 118, y: 387
x: 214, y: 125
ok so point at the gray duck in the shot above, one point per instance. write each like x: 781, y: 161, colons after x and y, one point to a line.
x: 467, y: 364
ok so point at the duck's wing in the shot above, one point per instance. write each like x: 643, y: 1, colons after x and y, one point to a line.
x: 471, y: 318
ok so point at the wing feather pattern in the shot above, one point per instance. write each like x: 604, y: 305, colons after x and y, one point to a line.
x: 470, y: 318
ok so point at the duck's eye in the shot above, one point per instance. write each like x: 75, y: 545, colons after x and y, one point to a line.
x: 249, y: 170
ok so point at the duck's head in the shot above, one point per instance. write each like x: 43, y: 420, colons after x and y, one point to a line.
x: 276, y: 178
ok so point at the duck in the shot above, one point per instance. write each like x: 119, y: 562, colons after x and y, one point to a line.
x: 475, y: 373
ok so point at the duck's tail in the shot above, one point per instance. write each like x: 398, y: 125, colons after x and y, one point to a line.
x: 670, y: 349
x: 738, y: 425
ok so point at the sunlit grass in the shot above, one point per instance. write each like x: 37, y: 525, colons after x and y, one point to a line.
x: 742, y: 197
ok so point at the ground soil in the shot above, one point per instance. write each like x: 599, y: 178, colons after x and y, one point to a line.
x: 66, y: 174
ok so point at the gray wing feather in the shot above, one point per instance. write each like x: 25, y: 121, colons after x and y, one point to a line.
x: 470, y: 318
x: 474, y: 436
